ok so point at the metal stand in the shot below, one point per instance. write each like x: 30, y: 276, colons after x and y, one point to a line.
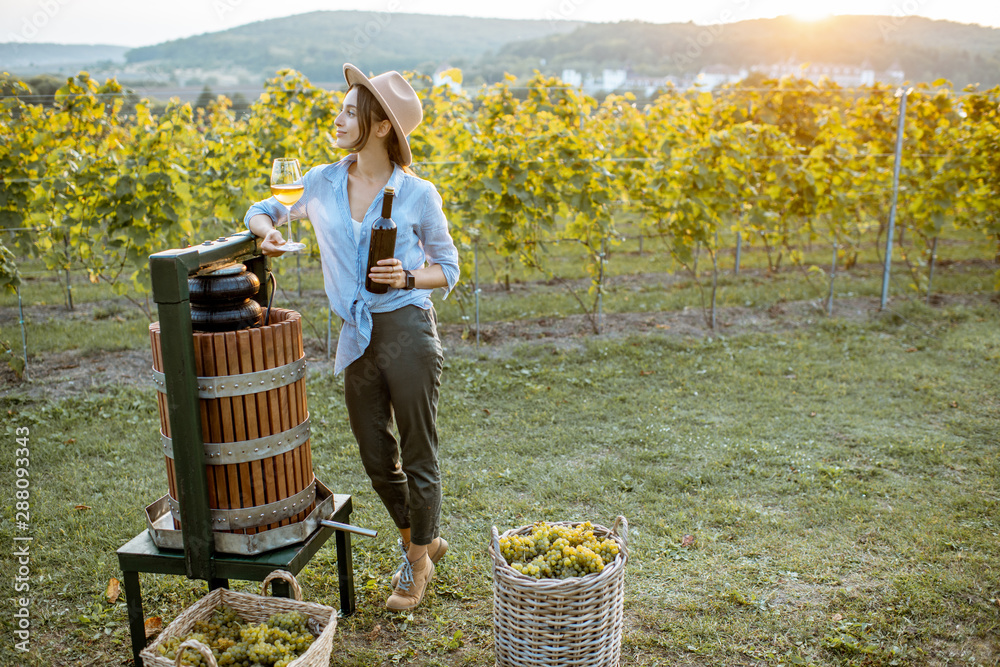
x: 141, y: 555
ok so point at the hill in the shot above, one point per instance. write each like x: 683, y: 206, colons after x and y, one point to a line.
x: 318, y: 43
x: 923, y: 48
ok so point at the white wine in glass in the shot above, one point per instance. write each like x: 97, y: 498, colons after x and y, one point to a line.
x: 286, y: 187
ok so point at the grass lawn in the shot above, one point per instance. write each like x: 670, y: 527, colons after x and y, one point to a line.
x: 841, y: 482
x: 635, y: 282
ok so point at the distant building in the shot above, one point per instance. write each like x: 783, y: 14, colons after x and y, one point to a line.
x: 154, y: 72
x: 442, y: 77
x: 648, y: 85
x: 610, y: 79
x: 713, y: 76
x: 572, y: 78
x: 846, y: 76
x: 717, y: 75
x: 614, y: 79
x: 196, y: 75
x: 895, y: 74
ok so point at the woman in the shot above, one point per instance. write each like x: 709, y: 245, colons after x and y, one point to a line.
x: 388, y: 347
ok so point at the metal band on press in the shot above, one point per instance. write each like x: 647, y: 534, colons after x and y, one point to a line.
x: 223, y: 386
x: 260, y: 515
x: 245, y: 451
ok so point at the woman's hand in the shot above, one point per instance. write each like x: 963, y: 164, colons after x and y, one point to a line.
x: 262, y: 225
x: 388, y: 272
x: 271, y: 246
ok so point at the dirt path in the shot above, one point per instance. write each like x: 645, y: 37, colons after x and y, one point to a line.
x: 56, y: 375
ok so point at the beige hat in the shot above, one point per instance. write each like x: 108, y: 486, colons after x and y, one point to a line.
x: 398, y: 100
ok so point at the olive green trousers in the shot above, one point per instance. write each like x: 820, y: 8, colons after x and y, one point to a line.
x: 399, y: 378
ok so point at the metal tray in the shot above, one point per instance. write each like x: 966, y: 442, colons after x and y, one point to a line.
x: 160, y: 524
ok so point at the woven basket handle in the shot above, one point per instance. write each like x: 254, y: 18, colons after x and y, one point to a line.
x: 495, y: 540
x: 288, y: 577
x: 620, y: 528
x: 197, y: 646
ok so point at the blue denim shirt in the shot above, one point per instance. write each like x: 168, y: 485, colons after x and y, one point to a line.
x: 422, y: 237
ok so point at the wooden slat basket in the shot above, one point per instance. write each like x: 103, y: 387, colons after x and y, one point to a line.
x: 257, y: 447
x: 252, y: 609
x: 559, y: 622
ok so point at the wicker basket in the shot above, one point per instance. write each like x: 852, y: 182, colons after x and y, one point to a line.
x: 549, y: 622
x: 253, y: 609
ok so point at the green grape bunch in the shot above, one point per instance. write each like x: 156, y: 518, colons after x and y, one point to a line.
x: 276, y: 643
x: 558, y: 552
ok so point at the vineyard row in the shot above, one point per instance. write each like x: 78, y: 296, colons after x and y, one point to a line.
x: 99, y: 179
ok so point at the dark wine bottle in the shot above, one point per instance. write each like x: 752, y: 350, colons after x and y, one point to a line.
x: 383, y: 243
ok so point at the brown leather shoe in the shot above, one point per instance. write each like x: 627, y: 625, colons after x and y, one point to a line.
x: 435, y: 551
x: 413, y: 580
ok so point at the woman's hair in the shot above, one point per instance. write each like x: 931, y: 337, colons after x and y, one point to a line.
x: 370, y: 113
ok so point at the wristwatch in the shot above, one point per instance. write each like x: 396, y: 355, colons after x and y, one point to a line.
x: 411, y: 282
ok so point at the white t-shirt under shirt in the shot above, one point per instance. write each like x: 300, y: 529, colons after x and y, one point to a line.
x: 357, y: 230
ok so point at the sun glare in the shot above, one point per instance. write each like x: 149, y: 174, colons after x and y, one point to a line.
x: 809, y: 14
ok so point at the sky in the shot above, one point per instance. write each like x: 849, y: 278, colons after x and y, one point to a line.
x: 143, y: 22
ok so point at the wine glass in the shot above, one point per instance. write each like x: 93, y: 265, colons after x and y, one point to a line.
x: 286, y: 187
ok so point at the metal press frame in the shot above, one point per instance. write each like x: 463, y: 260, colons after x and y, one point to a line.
x: 198, y: 559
